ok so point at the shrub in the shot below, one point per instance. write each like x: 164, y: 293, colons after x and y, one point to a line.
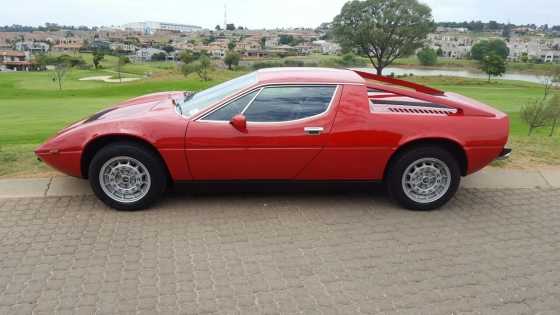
x: 427, y: 57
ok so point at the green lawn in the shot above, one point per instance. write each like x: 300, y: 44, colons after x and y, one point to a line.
x: 32, y: 108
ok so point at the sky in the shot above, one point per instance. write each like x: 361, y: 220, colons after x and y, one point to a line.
x: 254, y: 13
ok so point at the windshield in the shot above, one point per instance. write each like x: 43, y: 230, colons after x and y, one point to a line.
x: 199, y: 101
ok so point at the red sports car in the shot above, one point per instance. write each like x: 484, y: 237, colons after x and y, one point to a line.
x: 287, y: 124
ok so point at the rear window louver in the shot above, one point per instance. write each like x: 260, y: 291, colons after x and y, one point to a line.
x: 412, y: 108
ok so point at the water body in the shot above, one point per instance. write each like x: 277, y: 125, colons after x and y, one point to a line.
x: 460, y: 73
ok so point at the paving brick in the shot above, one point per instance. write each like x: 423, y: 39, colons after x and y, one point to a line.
x: 488, y: 252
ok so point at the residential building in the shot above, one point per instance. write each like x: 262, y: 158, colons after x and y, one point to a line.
x: 146, y: 54
x: 33, y: 47
x: 328, y: 48
x: 150, y: 27
x: 123, y: 47
x: 451, y: 45
x: 70, y: 44
x: 15, y: 60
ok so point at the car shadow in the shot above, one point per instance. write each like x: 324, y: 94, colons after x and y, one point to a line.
x: 260, y: 189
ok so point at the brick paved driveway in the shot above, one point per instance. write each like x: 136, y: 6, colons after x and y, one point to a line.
x: 489, y: 252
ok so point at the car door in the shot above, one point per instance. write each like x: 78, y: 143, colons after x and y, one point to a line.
x: 287, y: 126
x: 215, y: 150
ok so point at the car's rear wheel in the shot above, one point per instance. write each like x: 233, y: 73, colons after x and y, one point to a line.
x: 423, y: 178
x: 127, y: 176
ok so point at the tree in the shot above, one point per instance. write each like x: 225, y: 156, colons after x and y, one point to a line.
x: 535, y: 115
x: 493, y: 65
x: 383, y: 30
x: 427, y: 57
x: 186, y: 57
x: 218, y: 27
x: 285, y: 39
x: 98, y: 56
x: 60, y: 71
x: 201, y: 67
x: 161, y: 56
x: 122, y: 60
x: 263, y: 43
x: 493, y: 25
x: 488, y: 47
x: 232, y: 44
x: 506, y: 32
x: 230, y: 27
x: 168, y: 49
x: 553, y: 112
x: 232, y: 59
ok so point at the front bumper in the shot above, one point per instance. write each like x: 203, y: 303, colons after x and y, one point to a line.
x: 66, y: 162
x: 506, y: 153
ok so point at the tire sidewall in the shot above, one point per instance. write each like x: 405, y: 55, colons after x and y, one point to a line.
x: 152, y: 162
x: 404, y: 160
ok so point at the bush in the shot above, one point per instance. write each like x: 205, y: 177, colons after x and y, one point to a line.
x: 266, y: 64
x: 201, y: 67
x: 427, y: 57
x: 294, y: 63
x: 159, y: 56
x: 345, y: 61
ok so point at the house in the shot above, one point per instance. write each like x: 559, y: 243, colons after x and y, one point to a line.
x: 123, y: 47
x: 146, y: 54
x: 534, y: 48
x: 33, y: 47
x: 327, y: 48
x: 451, y: 45
x: 15, y: 60
x: 66, y: 45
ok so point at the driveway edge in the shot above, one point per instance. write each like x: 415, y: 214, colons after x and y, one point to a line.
x: 60, y: 186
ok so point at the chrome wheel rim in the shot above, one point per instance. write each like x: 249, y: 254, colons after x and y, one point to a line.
x: 426, y: 180
x: 125, y: 179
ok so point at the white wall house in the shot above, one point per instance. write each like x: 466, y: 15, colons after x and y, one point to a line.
x: 146, y: 54
x: 150, y: 27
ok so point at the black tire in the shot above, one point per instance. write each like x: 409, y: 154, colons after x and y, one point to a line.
x: 399, y: 165
x: 151, y: 161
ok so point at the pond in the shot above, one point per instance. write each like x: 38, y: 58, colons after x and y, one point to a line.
x: 459, y: 73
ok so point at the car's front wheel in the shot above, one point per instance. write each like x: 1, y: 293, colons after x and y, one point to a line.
x: 127, y: 176
x: 424, y: 178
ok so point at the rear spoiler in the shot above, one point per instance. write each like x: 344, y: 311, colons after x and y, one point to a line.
x: 415, y: 86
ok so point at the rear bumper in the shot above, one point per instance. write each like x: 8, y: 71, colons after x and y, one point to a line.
x: 506, y: 153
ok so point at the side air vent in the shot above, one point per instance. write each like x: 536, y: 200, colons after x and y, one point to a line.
x: 412, y: 110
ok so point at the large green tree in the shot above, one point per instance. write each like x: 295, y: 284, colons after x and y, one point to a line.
x: 489, y: 47
x: 493, y: 65
x: 383, y: 30
x: 231, y: 59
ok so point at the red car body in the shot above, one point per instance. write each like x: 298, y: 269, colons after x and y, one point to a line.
x: 368, y: 121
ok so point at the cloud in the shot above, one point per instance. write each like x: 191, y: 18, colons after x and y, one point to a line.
x: 255, y: 13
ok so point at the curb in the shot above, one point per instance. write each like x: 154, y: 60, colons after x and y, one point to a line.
x: 60, y: 186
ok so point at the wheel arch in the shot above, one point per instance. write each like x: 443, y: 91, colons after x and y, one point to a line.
x: 450, y: 145
x: 96, y: 144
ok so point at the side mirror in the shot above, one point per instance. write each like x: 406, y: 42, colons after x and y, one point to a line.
x: 239, y: 122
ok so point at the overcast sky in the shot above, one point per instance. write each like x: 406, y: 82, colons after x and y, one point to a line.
x: 254, y: 13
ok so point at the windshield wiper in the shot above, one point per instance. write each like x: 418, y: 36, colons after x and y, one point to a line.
x: 188, y: 95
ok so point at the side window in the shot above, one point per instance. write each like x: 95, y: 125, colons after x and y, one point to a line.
x: 278, y: 104
x: 236, y: 107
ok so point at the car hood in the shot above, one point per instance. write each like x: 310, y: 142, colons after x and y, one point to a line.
x: 139, y: 105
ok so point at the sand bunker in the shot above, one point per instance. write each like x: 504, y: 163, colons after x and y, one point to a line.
x: 108, y: 79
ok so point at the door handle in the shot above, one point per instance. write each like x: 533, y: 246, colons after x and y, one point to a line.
x: 314, y: 131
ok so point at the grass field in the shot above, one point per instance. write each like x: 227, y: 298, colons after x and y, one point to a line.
x: 32, y: 108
